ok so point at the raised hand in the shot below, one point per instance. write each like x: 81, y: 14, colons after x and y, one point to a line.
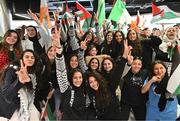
x: 71, y: 20
x: 33, y: 15
x: 56, y: 14
x: 56, y: 40
x: 95, y: 17
x: 23, y: 74
x: 83, y: 45
x: 130, y: 57
x: 104, y: 24
x: 127, y: 49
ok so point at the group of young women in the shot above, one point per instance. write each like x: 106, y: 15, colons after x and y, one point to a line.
x: 31, y: 68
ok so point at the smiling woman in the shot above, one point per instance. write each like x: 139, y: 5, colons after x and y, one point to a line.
x: 160, y: 105
x: 18, y: 89
x: 131, y: 91
x: 10, y: 48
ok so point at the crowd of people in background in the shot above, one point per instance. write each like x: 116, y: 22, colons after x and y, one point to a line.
x: 87, y: 75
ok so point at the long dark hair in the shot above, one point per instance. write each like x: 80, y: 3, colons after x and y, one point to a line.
x: 123, y: 37
x: 70, y: 78
x: 68, y: 61
x: 136, y: 44
x: 161, y: 86
x: 103, y: 71
x: 89, y: 64
x: 33, y: 69
x: 119, y: 46
x: 103, y: 97
x: 152, y: 67
x: 46, y: 61
x: 105, y: 40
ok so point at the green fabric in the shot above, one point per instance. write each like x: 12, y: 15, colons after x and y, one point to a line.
x: 101, y: 12
x: 50, y: 115
x: 86, y: 24
x: 117, y: 11
x: 170, y: 53
x: 177, y: 91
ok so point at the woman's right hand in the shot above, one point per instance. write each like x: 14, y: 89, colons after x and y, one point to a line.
x: 83, y: 45
x: 33, y: 16
x: 156, y: 79
x: 23, y: 74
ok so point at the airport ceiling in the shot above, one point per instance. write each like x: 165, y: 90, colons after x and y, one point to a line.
x: 19, y: 7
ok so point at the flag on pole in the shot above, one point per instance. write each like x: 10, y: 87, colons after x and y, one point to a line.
x: 174, y: 82
x: 66, y: 16
x: 101, y: 12
x: 86, y: 14
x: 120, y: 14
x: 117, y: 11
x: 47, y: 113
x: 79, y: 13
x: 85, y: 19
x: 162, y: 11
x: 44, y: 14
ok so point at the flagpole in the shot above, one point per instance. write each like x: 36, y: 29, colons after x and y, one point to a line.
x: 88, y: 23
x: 45, y: 107
x: 92, y: 19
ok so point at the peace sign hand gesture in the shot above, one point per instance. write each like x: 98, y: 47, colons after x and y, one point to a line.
x: 127, y: 50
x: 33, y: 16
x: 23, y: 74
x: 56, y: 40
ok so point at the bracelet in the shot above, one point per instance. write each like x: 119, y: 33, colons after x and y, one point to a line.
x: 128, y: 64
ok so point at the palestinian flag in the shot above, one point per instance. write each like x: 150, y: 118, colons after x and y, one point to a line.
x: 65, y: 18
x: 79, y: 13
x: 164, y: 10
x: 174, y: 81
x: 47, y: 114
x: 85, y: 14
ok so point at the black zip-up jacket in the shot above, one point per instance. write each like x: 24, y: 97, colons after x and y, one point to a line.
x: 131, y: 90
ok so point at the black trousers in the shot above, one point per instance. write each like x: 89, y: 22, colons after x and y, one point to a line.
x: 139, y: 111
